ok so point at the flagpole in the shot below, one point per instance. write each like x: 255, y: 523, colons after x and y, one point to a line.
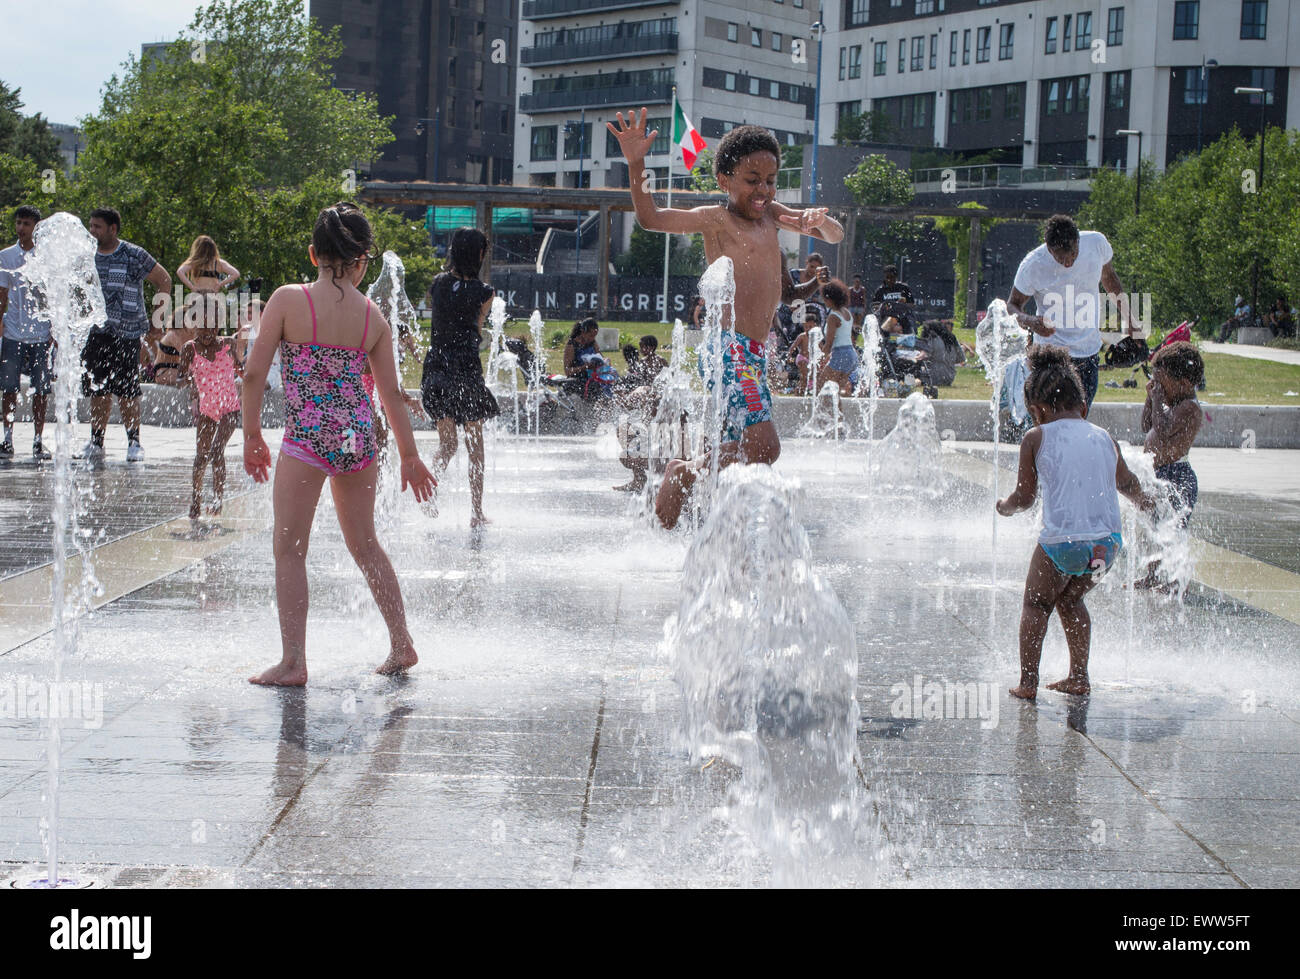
x: 672, y: 152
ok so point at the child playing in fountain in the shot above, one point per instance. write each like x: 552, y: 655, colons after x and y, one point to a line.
x: 211, y: 365
x: 1082, y: 472
x: 1171, y: 419
x: 329, y: 432
x: 744, y: 230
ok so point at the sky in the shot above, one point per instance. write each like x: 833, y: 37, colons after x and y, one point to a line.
x: 77, y: 45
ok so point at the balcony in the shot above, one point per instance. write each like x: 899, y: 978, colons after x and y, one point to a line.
x: 552, y: 54
x: 542, y: 9
x: 621, y: 95
x: 991, y: 176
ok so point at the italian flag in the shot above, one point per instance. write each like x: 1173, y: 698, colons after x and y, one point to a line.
x: 687, y: 137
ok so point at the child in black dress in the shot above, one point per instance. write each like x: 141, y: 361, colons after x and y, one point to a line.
x: 452, y: 388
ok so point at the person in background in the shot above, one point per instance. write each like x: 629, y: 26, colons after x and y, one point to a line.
x: 1241, y: 316
x: 697, y: 314
x: 858, y: 301
x: 111, y: 357
x: 205, y: 271
x: 1281, y: 318
x: 808, y: 286
x: 840, y: 363
x: 1061, y: 276
x: 648, y: 363
x: 892, y: 304
x: 25, y: 344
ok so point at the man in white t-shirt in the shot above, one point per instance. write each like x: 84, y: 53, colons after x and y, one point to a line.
x: 25, y: 345
x: 1061, y: 276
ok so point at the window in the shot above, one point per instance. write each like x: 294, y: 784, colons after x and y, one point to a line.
x: 755, y: 37
x: 1254, y: 20
x: 1053, y: 98
x: 1085, y: 93
x: 847, y: 110
x: 1196, y: 89
x: 855, y: 61
x: 1006, y: 42
x: 1065, y: 34
x: 1082, y: 32
x: 934, y: 51
x: 844, y: 63
x: 543, y: 143
x: 918, y: 53
x: 982, y: 44
x: 733, y: 32
x: 984, y: 107
x: 572, y: 147
x: 774, y: 88
x: 924, y: 7
x: 777, y: 41
x: 1068, y: 105
x: 1116, y: 90
x: 1187, y: 20
x: 729, y: 81
x: 857, y: 14
x: 1050, y: 46
x: 920, y: 105
x: 902, y: 53
x: 881, y: 57
x: 1115, y: 27
x: 754, y: 85
x: 1265, y: 78
x: 965, y: 46
x: 952, y: 50
x: 1011, y: 106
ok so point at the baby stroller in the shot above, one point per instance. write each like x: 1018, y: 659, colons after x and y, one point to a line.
x: 898, y: 359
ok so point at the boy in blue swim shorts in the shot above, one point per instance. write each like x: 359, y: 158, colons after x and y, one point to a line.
x: 744, y: 230
x: 1082, y: 473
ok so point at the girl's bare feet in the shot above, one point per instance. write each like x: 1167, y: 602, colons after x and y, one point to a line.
x: 214, y: 510
x: 1024, y: 692
x: 479, y: 522
x: 282, y: 675
x: 1076, y: 686
x: 401, y: 659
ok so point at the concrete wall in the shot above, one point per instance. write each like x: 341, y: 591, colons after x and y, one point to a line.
x: 1229, y: 426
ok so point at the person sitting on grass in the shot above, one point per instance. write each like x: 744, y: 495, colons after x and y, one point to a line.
x: 1171, y: 419
x: 1082, y: 472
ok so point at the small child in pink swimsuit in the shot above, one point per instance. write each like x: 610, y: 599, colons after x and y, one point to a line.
x: 212, y: 367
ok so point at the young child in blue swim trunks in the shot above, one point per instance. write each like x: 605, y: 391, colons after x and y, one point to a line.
x: 745, y: 230
x: 1082, y: 472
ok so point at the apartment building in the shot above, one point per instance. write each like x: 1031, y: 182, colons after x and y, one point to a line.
x: 445, y: 70
x: 581, y: 61
x: 1052, y: 82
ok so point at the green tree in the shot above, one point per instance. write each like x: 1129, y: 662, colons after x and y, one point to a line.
x: 957, y: 233
x: 863, y: 127
x: 27, y: 148
x: 238, y: 133
x: 878, y: 182
x: 645, y: 255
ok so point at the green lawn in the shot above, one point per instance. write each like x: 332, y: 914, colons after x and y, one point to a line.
x: 1229, y: 379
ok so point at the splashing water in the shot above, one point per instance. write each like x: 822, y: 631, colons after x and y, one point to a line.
x: 998, y: 340
x: 825, y: 421
x: 908, y: 457
x: 869, y: 383
x: 767, y: 664
x: 536, y: 376
x: 677, y: 356
x: 718, y: 290
x: 497, y: 324
x: 388, y: 293
x: 63, y: 280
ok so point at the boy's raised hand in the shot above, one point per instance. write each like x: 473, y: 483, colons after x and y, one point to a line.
x: 632, y: 138
x: 807, y: 221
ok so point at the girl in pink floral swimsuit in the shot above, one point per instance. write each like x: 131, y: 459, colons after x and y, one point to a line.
x: 212, y: 367
x: 325, y: 333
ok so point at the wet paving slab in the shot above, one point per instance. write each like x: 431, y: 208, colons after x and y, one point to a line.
x: 536, y: 744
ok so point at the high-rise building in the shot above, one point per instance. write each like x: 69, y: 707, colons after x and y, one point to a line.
x: 581, y: 61
x: 445, y: 70
x: 1044, y: 82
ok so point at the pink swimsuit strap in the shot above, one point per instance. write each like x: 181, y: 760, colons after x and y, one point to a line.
x: 312, y: 306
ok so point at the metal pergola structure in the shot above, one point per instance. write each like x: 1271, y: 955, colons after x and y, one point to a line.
x: 485, y: 198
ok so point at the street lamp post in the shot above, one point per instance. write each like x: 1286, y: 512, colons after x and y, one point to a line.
x: 1137, y: 195
x: 818, y: 31
x: 422, y: 127
x: 581, y: 129
x: 1201, y: 98
x: 1259, y: 183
